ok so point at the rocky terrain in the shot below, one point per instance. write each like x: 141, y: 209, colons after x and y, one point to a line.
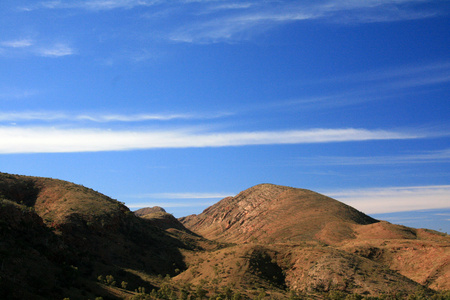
x: 56, y: 238
x: 272, y: 213
x: 62, y: 240
x: 326, y: 244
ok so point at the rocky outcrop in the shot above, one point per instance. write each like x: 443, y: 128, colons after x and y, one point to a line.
x: 158, y: 217
x: 272, y: 213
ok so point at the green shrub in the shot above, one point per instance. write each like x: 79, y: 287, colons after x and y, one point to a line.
x: 124, y: 285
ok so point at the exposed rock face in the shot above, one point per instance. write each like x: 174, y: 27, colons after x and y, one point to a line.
x: 158, y: 217
x: 155, y: 210
x: 272, y: 213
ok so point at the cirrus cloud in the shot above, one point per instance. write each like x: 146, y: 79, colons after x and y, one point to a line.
x: 58, y: 140
x: 395, y: 199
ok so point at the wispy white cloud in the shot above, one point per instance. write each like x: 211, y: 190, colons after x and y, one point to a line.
x: 377, y: 11
x: 181, y: 196
x: 371, y: 86
x: 56, y: 50
x: 256, y: 16
x: 175, y: 200
x: 218, y: 21
x: 31, y: 47
x: 436, y: 156
x: 167, y: 204
x: 133, y: 118
x: 399, y: 77
x: 95, y: 5
x: 15, y: 93
x: 53, y: 140
x: 20, y: 43
x: 46, y: 116
x: 30, y: 116
x: 114, y: 4
x: 236, y: 26
x: 395, y: 199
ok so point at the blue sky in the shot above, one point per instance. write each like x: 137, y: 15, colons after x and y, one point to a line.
x: 181, y: 103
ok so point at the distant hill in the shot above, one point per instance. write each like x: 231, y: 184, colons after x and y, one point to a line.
x: 273, y: 213
x: 62, y: 240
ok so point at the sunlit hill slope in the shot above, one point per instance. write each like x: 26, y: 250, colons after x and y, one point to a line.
x: 62, y: 240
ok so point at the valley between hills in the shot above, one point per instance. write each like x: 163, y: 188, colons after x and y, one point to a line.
x: 60, y: 240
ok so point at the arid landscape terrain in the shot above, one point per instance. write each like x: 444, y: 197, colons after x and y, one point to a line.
x: 60, y: 240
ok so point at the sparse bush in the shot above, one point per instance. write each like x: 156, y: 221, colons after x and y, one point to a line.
x: 261, y: 294
x: 293, y: 295
x: 124, y: 285
x: 336, y: 295
x: 354, y: 297
x: 109, y: 280
x: 200, y: 292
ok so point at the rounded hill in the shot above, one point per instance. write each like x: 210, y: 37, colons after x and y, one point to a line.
x: 274, y: 213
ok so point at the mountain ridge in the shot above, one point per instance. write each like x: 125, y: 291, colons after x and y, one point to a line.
x: 59, y: 239
x: 286, y: 216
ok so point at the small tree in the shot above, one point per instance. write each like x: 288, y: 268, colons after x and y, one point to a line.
x: 109, y: 280
x: 124, y: 285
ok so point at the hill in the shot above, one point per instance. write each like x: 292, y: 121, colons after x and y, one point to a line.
x: 58, y: 237
x: 160, y: 218
x: 272, y: 213
x: 62, y: 240
x: 286, y: 219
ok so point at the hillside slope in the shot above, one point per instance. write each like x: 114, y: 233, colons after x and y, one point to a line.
x: 287, y: 218
x: 78, y: 232
x: 59, y: 239
x: 272, y: 213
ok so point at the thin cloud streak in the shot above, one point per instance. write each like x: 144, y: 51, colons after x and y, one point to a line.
x: 437, y: 156
x: 241, y: 22
x: 181, y: 196
x: 29, y: 47
x: 55, y: 140
x: 95, y: 5
x: 57, y: 50
x: 221, y: 21
x: 22, y: 43
x: 371, y: 86
x: 400, y: 77
x: 14, y: 94
x: 170, y: 204
x: 102, y: 118
x: 395, y: 199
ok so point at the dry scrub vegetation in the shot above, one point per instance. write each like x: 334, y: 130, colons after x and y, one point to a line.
x: 59, y: 240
